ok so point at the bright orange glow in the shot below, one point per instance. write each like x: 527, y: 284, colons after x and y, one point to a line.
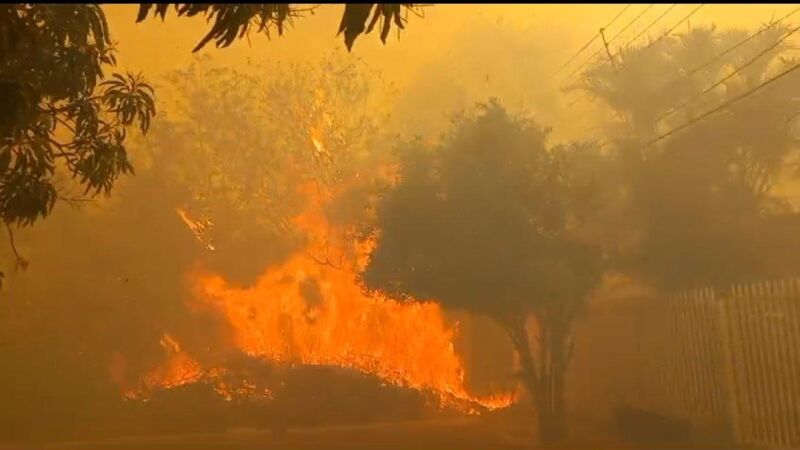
x: 176, y: 369
x: 179, y: 369
x: 311, y: 309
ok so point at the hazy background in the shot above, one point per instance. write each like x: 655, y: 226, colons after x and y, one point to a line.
x: 109, y: 276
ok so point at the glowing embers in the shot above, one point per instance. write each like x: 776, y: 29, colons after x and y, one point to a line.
x: 200, y: 228
x: 178, y: 368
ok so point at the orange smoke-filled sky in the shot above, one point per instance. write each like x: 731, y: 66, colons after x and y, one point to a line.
x: 489, y: 50
x: 154, y: 47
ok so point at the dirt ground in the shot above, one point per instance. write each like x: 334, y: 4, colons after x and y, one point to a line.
x: 451, y: 434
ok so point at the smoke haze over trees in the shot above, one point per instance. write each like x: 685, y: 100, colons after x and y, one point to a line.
x: 390, y: 196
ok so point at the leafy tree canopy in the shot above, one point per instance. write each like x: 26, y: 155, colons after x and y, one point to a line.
x: 702, y: 203
x: 234, y: 145
x: 488, y: 221
x: 483, y: 221
x: 234, y: 21
x: 59, y: 120
x: 61, y: 123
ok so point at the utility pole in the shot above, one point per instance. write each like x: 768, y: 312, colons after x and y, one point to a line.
x: 608, y: 50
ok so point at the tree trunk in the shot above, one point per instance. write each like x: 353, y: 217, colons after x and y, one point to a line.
x: 552, y: 418
x: 544, y: 376
x: 528, y: 371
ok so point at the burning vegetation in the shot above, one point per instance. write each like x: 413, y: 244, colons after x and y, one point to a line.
x: 315, y: 239
x: 313, y: 312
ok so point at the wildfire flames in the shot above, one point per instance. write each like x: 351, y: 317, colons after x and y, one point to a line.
x: 406, y: 344
x: 309, y: 310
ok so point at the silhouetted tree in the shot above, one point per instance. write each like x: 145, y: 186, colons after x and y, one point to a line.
x: 236, y: 146
x: 702, y: 201
x: 234, y: 21
x: 484, y: 222
x: 56, y: 112
x: 57, y: 117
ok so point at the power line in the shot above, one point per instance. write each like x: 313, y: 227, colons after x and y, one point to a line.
x: 649, y: 26
x: 594, y: 38
x: 720, y: 55
x: 729, y: 76
x: 740, y: 43
x: 586, y: 61
x: 589, y: 60
x: 663, y: 35
x: 735, y: 99
x: 668, y: 32
x: 722, y: 106
x: 646, y: 29
x: 631, y: 22
x: 581, y: 97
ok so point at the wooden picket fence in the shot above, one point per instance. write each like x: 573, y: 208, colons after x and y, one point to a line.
x: 729, y: 358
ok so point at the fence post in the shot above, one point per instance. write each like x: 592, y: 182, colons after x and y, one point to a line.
x: 729, y: 387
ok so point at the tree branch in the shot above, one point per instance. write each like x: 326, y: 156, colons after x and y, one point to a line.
x: 515, y: 327
x: 75, y: 199
x: 325, y: 262
x: 21, y: 263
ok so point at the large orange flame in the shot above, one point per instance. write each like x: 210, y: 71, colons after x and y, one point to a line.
x: 311, y: 309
